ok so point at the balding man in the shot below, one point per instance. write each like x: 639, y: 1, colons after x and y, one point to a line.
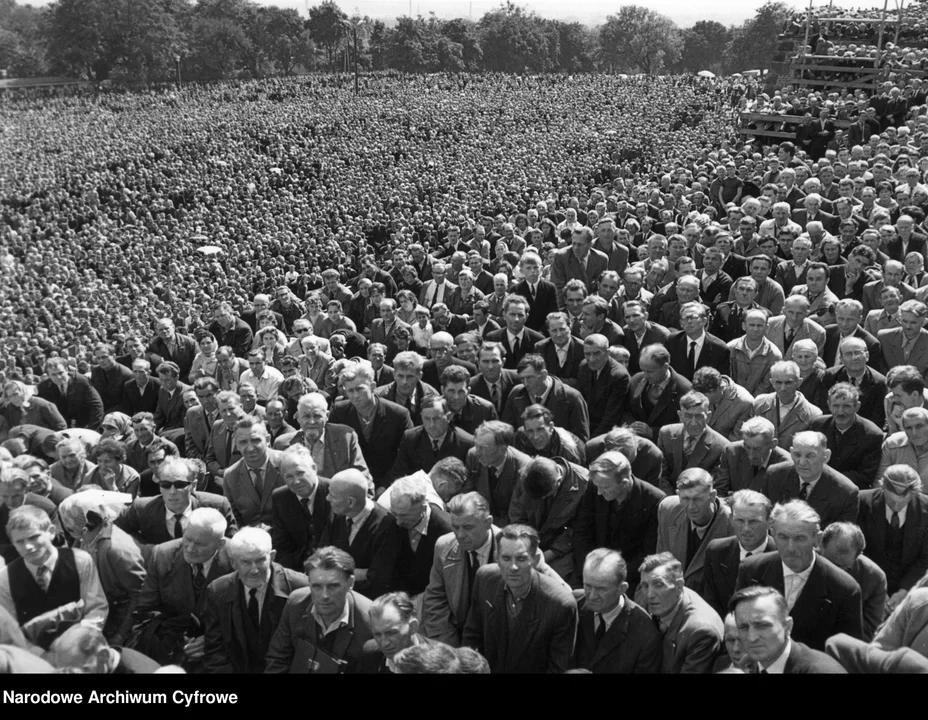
x: 806, y: 476
x: 84, y: 649
x: 794, y: 325
x: 441, y: 348
x: 603, y: 382
x: 140, y: 390
x: 365, y: 530
x: 244, y: 607
x: 538, y: 387
x: 77, y: 401
x: 232, y: 331
x: 744, y: 463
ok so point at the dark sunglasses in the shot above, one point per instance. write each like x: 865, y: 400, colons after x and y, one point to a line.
x: 175, y: 485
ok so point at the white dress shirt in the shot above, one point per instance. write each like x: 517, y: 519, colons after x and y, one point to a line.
x: 901, y: 513
x: 609, y: 617
x: 793, y: 583
x: 169, y: 518
x: 700, y: 341
x: 360, y: 519
x: 778, y: 666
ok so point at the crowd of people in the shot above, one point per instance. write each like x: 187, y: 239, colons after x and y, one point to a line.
x: 451, y: 376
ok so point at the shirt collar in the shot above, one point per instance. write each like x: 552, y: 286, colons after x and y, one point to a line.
x: 169, y: 516
x: 512, y: 337
x: 778, y: 666
x: 358, y: 521
x: 804, y: 574
x: 50, y: 564
x: 483, y: 552
x: 341, y: 621
x: 889, y: 514
x: 609, y: 617
x: 423, y: 525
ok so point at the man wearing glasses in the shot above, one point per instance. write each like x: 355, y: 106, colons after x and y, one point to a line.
x: 694, y: 347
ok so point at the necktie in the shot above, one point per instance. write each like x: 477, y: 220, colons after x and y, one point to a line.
x: 349, y: 523
x: 42, y: 577
x: 788, y: 336
x: 756, y: 469
x: 688, y: 444
x: 307, y: 509
x: 531, y: 289
x: 494, y: 395
x: 691, y: 358
x: 804, y: 491
x: 472, y: 564
x: 853, y: 381
x: 199, y: 579
x: 436, y: 445
x: 258, y: 481
x: 894, y: 521
x: 229, y: 447
x: 601, y: 628
x: 178, y: 526
x: 253, y: 612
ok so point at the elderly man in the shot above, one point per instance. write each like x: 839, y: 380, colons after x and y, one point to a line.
x: 495, y: 466
x: 687, y: 521
x: 855, y: 369
x: 689, y: 443
x: 180, y: 571
x: 301, y: 513
x: 539, y: 388
x: 791, y: 273
x: 694, y: 348
x: 378, y: 423
x: 786, y: 407
x: 72, y: 468
x: 848, y: 316
x: 822, y: 599
x: 666, y: 309
x: 441, y: 348
x: 744, y: 464
x: 140, y: 391
x: 364, y: 529
x: 323, y: 628
x: 334, y: 447
x: 806, y: 476
x: 79, y: 404
x: 511, y: 594
x: 614, y: 634
x: 769, y: 292
x: 691, y: 631
x: 233, y: 331
x: 395, y: 627
x: 435, y: 439
x: 728, y: 323
x: 244, y: 608
x: 894, y: 520
x: 854, y: 441
x: 753, y: 354
x: 907, y: 344
x: 843, y: 543
x: 436, y: 290
x: 730, y: 405
x: 654, y: 394
x: 793, y: 325
x: 603, y: 383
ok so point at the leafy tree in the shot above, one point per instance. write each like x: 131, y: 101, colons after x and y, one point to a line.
x: 22, y: 43
x: 577, y: 47
x: 464, y: 33
x: 377, y: 43
x: 639, y: 40
x: 515, y: 41
x: 703, y: 46
x: 754, y: 43
x: 326, y: 28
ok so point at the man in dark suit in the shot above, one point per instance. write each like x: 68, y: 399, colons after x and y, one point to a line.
x: 395, y: 627
x: 249, y: 483
x: 579, y: 261
x: 79, y: 404
x: 172, y: 345
x: 493, y: 382
x: 822, y: 599
x: 617, y: 511
x: 871, y: 385
x: 179, y: 572
x: 518, y: 339
x: 654, y: 395
x: 811, y: 212
x: 806, y: 476
x: 562, y: 352
x: 646, y: 458
x: 750, y: 513
x: 261, y: 303
x: 231, y: 331
x: 694, y: 347
x: 639, y: 333
x: 744, y: 464
x: 767, y: 634
x: 468, y: 411
x: 170, y: 412
x: 134, y: 350
x: 894, y: 520
x: 140, y: 393
x: 714, y: 283
x: 428, y: 443
x: 301, y: 513
x: 244, y: 607
x: 378, y: 423
x: 156, y: 520
x: 603, y: 383
x: 615, y: 635
x: 300, y: 644
x: 566, y: 404
x: 407, y: 388
x: 365, y: 530
x: 843, y: 543
x: 536, y: 637
x: 690, y: 443
x: 420, y: 525
x: 854, y: 441
x: 441, y: 348
x: 540, y: 294
x: 605, y: 242
x: 494, y: 467
x: 848, y: 316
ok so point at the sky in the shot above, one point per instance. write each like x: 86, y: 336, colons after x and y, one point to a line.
x: 589, y: 12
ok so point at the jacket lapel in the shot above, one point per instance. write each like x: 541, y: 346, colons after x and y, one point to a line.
x: 615, y: 635
x: 453, y: 570
x: 236, y: 612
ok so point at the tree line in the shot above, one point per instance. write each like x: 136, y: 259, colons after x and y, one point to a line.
x: 157, y: 40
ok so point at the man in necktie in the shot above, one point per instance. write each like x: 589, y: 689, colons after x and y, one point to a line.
x: 634, y: 645
x: 259, y: 468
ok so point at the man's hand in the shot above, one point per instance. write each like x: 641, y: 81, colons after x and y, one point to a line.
x: 893, y: 601
x: 195, y: 648
x: 642, y: 429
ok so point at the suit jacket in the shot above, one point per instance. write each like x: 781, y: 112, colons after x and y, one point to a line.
x: 226, y: 645
x: 872, y: 388
x: 648, y: 458
x: 297, y: 623
x: 673, y: 535
x: 722, y: 560
x: 185, y: 350
x: 694, y: 638
x: 169, y: 415
x: 828, y: 604
x: 891, y: 342
x: 169, y: 586
x: 249, y: 507
x: 667, y: 407
x: 432, y: 377
x: 145, y: 519
x: 653, y: 334
x: 860, y: 658
x: 872, y: 291
x: 872, y: 581
x: 855, y: 453
x: 426, y: 295
x: 568, y: 371
x: 554, y: 517
x: 412, y: 568
x: 221, y: 451
x: 904, y: 573
x: 631, y: 644
x: 539, y: 640
x: 295, y: 533
x: 513, y: 355
x: 797, y: 420
x: 801, y: 218
x: 545, y: 302
x: 916, y: 244
x: 375, y: 548
x: 379, y: 450
x: 566, y: 404
x: 630, y: 527
x: 617, y: 256
x: 736, y: 472
x: 423, y: 390
x: 239, y: 336
x: 197, y: 433
x: 135, y: 400
x: 499, y: 497
x: 706, y: 454
x: 417, y: 453
x: 605, y: 396
x: 341, y: 449
x: 714, y: 353
x: 810, y: 330
x: 834, y: 497
x: 566, y: 267
x: 735, y: 406
x: 80, y: 407
x: 832, y: 337
x: 508, y: 380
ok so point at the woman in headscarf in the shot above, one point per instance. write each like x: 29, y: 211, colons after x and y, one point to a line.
x: 118, y: 426
x: 22, y: 407
x: 111, y: 472
x: 88, y: 517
